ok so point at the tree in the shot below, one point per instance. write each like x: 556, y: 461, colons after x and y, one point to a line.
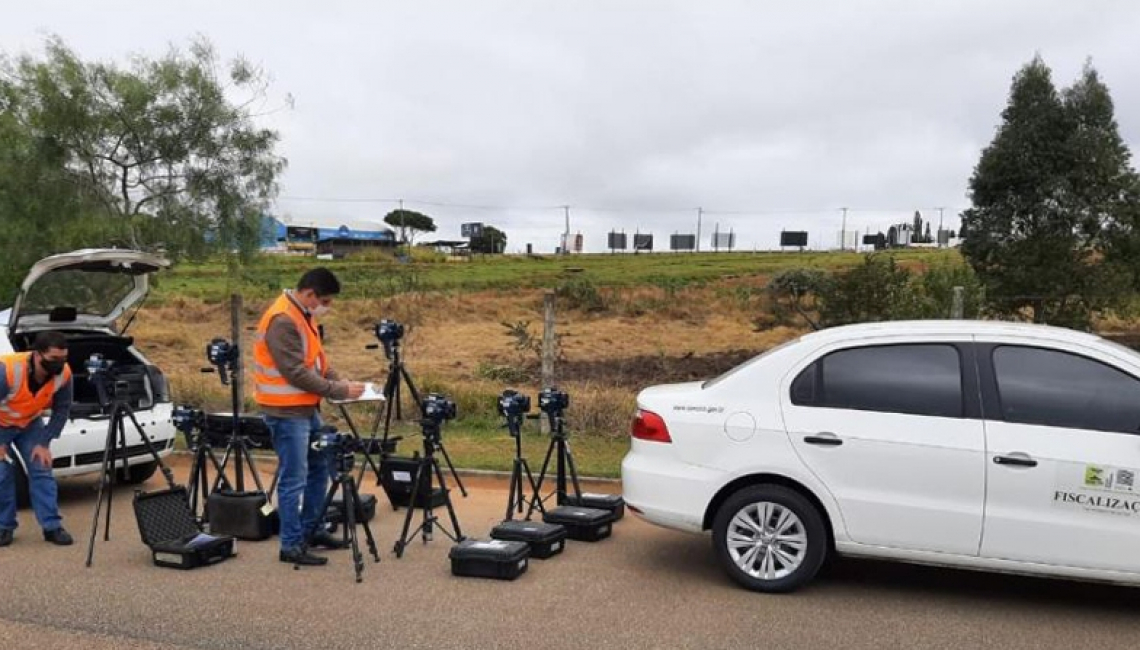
x: 158, y: 147
x: 1045, y: 192
x: 491, y: 241
x: 408, y: 223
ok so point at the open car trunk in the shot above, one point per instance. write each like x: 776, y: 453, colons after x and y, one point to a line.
x: 139, y: 383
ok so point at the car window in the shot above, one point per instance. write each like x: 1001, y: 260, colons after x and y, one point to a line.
x: 1059, y: 389
x: 918, y: 379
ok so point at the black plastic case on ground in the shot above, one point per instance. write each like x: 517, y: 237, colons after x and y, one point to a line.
x: 365, y: 510
x: 582, y: 524
x: 611, y: 502
x: 545, y: 540
x: 396, y: 477
x: 240, y: 515
x: 167, y: 527
x: 496, y: 558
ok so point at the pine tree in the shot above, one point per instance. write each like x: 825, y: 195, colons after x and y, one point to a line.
x: 1045, y: 192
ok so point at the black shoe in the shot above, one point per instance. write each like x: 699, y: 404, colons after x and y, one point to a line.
x: 326, y: 540
x: 302, y: 557
x: 59, y: 537
x: 5, y: 536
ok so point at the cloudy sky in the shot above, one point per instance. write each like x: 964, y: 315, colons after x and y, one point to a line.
x: 634, y: 114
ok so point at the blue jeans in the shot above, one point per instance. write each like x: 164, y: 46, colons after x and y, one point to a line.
x: 301, y: 470
x: 45, y: 499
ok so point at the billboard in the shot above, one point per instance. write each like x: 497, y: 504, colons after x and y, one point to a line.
x: 642, y: 242
x: 679, y: 242
x: 616, y: 241
x: 471, y: 230
x: 794, y: 238
x: 723, y: 240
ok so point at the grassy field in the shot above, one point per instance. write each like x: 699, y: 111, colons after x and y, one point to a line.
x: 624, y: 322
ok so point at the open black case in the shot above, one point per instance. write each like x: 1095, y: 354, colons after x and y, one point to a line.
x: 167, y: 527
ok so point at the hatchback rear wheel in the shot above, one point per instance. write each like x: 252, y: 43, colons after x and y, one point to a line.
x: 770, y: 538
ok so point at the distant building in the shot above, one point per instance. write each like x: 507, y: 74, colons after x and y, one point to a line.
x: 310, y: 238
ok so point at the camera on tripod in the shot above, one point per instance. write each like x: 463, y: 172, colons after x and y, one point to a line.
x: 513, y: 403
x: 553, y: 401
x: 223, y: 356
x: 187, y: 418
x: 100, y: 375
x: 438, y: 408
x: 389, y: 331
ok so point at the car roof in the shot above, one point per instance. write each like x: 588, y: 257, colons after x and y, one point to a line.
x: 951, y: 327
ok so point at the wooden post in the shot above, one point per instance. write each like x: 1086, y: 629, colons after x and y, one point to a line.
x: 236, y: 307
x: 958, y: 309
x: 548, y: 347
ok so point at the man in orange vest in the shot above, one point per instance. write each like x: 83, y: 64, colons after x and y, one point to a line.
x: 291, y: 375
x: 30, y: 384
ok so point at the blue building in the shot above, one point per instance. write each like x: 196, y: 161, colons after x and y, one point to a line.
x: 277, y: 235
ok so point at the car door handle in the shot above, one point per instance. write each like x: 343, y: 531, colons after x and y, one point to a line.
x: 825, y: 439
x: 1017, y: 460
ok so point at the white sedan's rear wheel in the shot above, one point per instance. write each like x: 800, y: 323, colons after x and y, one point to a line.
x: 770, y: 538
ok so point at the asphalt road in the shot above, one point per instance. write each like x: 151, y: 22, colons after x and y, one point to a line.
x: 644, y: 587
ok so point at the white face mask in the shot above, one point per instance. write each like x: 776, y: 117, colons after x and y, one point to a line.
x: 321, y: 310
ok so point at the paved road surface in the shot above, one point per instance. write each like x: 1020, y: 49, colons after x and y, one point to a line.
x: 643, y: 588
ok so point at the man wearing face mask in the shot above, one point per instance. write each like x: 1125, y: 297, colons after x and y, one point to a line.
x: 291, y: 375
x: 31, y: 383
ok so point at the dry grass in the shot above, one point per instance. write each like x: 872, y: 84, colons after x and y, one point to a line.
x: 451, y: 336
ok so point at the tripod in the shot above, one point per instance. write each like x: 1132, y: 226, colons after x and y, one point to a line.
x: 560, y: 444
x: 345, y: 483
x: 399, y: 376
x: 428, y: 469
x: 199, y: 475
x: 226, y: 359
x: 517, y: 497
x: 115, y: 446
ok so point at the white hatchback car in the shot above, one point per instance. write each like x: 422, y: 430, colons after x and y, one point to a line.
x: 983, y: 445
x: 83, y: 294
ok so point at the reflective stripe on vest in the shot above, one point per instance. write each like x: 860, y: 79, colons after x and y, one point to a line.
x: 20, y: 406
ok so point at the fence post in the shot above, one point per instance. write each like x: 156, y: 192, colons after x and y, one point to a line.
x: 548, y: 347
x: 958, y: 309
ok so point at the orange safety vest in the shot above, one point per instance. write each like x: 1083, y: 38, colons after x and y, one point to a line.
x: 20, y: 406
x: 270, y: 388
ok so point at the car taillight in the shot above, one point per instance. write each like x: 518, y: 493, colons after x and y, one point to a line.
x: 647, y: 425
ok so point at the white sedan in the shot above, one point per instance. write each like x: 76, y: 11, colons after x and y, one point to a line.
x: 982, y: 445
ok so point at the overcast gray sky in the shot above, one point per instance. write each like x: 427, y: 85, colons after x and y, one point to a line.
x: 633, y: 113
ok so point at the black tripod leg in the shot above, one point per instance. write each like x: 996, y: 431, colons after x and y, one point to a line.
x: 411, y: 387
x: 541, y: 478
x: 104, y: 476
x: 122, y: 436
x: 447, y: 501
x: 535, y: 498
x: 149, y: 447
x: 402, y: 542
x: 455, y: 474
x: 367, y: 531
x: 573, y: 473
x: 516, y: 481
x: 350, y: 505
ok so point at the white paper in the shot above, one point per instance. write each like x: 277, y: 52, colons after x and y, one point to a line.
x: 371, y: 394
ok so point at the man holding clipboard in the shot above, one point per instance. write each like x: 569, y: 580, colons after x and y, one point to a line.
x: 291, y: 376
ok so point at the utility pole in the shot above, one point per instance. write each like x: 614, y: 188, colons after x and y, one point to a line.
x: 843, y: 232
x: 700, y: 212
x: 938, y: 237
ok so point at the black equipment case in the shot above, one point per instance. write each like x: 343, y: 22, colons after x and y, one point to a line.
x: 167, y: 527
x: 365, y: 510
x: 397, y: 475
x: 241, y: 515
x: 611, y: 502
x: 582, y: 524
x: 545, y: 540
x: 489, y: 559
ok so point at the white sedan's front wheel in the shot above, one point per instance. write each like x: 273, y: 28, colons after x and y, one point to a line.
x: 770, y: 538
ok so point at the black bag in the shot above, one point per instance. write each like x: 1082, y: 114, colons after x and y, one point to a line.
x: 611, y: 502
x: 397, y: 477
x: 545, y: 540
x: 241, y: 514
x: 167, y: 527
x: 582, y: 524
x: 489, y: 559
x: 365, y: 510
